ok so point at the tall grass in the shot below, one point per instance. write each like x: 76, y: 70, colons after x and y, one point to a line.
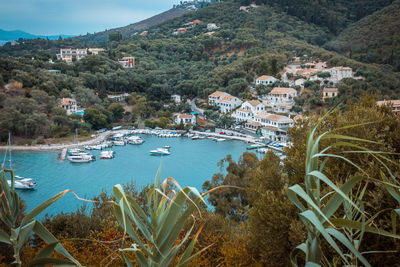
x: 157, y: 229
x: 335, y: 215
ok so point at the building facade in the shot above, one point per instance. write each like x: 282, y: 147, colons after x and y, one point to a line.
x: 185, y: 118
x: 266, y: 80
x: 127, y: 62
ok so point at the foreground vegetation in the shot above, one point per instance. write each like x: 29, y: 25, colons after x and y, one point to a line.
x: 349, y: 218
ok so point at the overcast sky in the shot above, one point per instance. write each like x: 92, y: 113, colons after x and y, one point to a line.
x: 51, y: 17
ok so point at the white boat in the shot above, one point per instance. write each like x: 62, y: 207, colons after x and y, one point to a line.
x: 108, y: 154
x: 119, y: 143
x: 167, y: 147
x: 135, y: 140
x: 80, y: 158
x: 196, y: 137
x: 19, y: 182
x: 160, y: 152
x: 25, y: 183
x: 220, y: 139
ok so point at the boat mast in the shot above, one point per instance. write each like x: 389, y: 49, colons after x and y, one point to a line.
x: 9, y: 147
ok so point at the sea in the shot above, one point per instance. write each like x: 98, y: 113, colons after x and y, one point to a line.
x: 191, y: 163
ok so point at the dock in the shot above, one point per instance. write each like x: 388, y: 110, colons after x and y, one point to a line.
x: 63, y: 154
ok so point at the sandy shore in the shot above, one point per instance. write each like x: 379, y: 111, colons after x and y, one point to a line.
x: 93, y: 141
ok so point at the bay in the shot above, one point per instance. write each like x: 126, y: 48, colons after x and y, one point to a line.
x: 191, y: 163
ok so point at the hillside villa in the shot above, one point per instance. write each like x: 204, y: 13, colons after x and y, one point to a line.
x: 394, y: 104
x: 176, y: 99
x: 69, y: 105
x: 329, y: 93
x: 69, y: 55
x: 281, y: 95
x: 127, y: 62
x: 180, y: 31
x: 266, y: 80
x: 185, y: 118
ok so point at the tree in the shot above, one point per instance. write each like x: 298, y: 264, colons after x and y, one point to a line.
x: 96, y: 118
x: 117, y: 111
x: 114, y: 36
x: 226, y: 121
x: 271, y: 214
x: 232, y: 202
x: 274, y: 66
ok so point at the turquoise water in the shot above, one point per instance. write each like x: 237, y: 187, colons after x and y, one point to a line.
x: 191, y: 163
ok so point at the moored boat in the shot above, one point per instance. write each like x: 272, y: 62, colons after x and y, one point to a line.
x: 25, y: 183
x: 108, y: 154
x: 160, y: 152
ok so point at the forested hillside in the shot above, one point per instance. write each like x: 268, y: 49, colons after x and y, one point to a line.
x: 334, y: 14
x: 373, y: 39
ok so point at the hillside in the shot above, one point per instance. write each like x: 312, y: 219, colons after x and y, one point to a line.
x: 373, y: 39
x: 130, y: 29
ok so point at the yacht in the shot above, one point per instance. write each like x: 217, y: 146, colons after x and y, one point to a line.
x: 80, y: 158
x: 160, y: 152
x: 24, y: 183
x: 108, y: 154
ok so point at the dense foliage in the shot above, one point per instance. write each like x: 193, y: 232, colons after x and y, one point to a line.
x: 374, y: 39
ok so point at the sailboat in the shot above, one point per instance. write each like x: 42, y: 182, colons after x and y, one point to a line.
x: 19, y: 182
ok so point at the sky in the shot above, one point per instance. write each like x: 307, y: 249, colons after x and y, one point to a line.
x: 75, y: 17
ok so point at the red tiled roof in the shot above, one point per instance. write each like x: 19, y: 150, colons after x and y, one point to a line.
x: 282, y: 90
x: 217, y: 94
x: 264, y: 77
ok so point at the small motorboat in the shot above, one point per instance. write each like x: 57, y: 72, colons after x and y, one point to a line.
x: 108, y: 154
x: 220, y: 139
x: 160, y: 152
x: 119, y: 143
x: 167, y: 147
x: 25, y: 183
x: 82, y: 158
x: 196, y: 137
x: 135, y: 140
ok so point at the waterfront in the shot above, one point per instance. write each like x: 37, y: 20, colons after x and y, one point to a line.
x: 191, y: 162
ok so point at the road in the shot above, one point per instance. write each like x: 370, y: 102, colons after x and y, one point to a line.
x: 194, y: 108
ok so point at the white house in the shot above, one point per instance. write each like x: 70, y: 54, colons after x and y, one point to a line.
x: 282, y: 107
x: 266, y: 80
x: 339, y: 73
x: 274, y: 133
x: 95, y: 51
x: 228, y: 103
x: 247, y: 110
x: 281, y: 95
x: 69, y: 105
x: 269, y: 119
x: 212, y: 26
x: 176, y: 99
x: 185, y: 118
x: 215, y: 97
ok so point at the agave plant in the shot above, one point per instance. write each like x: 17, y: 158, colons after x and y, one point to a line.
x: 156, y: 229
x: 19, y: 233
x: 337, y: 217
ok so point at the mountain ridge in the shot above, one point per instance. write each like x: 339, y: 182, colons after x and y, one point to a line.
x: 7, y: 36
x: 134, y: 27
